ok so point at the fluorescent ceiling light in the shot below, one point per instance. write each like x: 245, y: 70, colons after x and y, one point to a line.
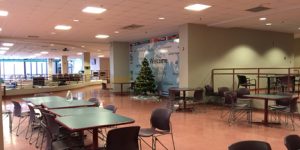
x: 82, y: 46
x: 117, y: 32
x: 8, y: 44
x: 268, y: 24
x: 262, y: 18
x: 163, y: 50
x: 299, y: 28
x: 197, y: 7
x: 161, y: 18
x: 93, y: 10
x: 2, y: 52
x: 176, y: 40
x: 101, y: 56
x: 37, y: 54
x: 44, y: 52
x: 4, y: 48
x: 0, y: 29
x: 62, y: 27
x: 3, y: 13
x: 101, y: 36
x: 76, y: 20
x: 79, y: 53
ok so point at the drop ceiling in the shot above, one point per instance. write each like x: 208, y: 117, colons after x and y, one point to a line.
x: 37, y: 18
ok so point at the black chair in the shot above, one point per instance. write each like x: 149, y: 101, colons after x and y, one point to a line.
x: 173, y: 100
x: 34, y: 122
x: 221, y: 94
x: 240, y: 95
x: 160, y: 125
x: 292, y: 142
x: 94, y: 100
x: 250, y: 145
x: 125, y: 138
x: 290, y: 112
x: 112, y: 108
x: 197, y: 98
x: 22, y: 115
x: 246, y: 82
x: 210, y: 95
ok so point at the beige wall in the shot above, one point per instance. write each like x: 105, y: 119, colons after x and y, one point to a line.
x: 210, y: 47
x: 104, y: 63
x: 297, y: 52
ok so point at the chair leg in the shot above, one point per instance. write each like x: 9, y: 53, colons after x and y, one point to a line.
x: 29, y: 124
x: 173, y: 140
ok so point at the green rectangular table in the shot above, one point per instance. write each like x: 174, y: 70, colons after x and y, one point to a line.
x: 66, y: 104
x: 92, y: 121
x: 37, y: 101
x: 78, y: 111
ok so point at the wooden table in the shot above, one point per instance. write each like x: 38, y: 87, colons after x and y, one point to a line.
x: 92, y: 121
x: 66, y: 104
x: 266, y: 98
x: 183, y: 90
x: 37, y: 101
x: 121, y: 85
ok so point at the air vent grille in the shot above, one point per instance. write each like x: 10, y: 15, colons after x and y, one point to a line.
x: 132, y: 27
x: 258, y: 9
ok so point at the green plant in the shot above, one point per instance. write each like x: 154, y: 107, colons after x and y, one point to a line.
x: 145, y: 81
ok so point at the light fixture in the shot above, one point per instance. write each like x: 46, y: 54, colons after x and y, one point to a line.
x: 3, y: 13
x: 299, y: 28
x: 4, y: 48
x: 93, y: 10
x: 0, y: 29
x: 268, y: 24
x: 161, y: 18
x: 101, y: 36
x: 176, y: 40
x: 262, y: 18
x: 82, y: 46
x: 76, y: 20
x: 44, y: 52
x: 62, y: 27
x: 37, y: 54
x: 8, y: 44
x: 79, y: 53
x: 163, y: 50
x: 117, y: 32
x: 2, y: 52
x: 51, y: 44
x: 101, y: 56
x: 197, y: 7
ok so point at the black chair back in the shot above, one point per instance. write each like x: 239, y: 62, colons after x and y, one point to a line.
x: 292, y: 142
x: 198, y: 94
x: 284, y: 102
x: 242, y: 91
x: 17, y: 109
x: 174, y: 95
x: 49, y: 121
x: 112, y: 108
x: 94, y: 100
x: 160, y: 119
x: 294, y: 104
x: 230, y: 97
x: 125, y: 138
x: 250, y: 145
x: 242, y: 79
x: 209, y: 91
x: 222, y: 90
x: 31, y: 113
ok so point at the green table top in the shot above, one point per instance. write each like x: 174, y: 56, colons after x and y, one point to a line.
x: 66, y: 104
x: 78, y: 111
x: 39, y: 100
x: 90, y: 121
x: 268, y: 96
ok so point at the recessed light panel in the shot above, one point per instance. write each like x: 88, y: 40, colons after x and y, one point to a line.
x: 4, y: 48
x: 8, y: 44
x: 101, y: 56
x: 268, y: 24
x: 79, y: 53
x: 93, y: 10
x: 3, y: 13
x: 262, y: 18
x: 197, y: 7
x: 0, y: 29
x: 161, y: 18
x: 44, y: 52
x: 101, y: 36
x: 62, y: 27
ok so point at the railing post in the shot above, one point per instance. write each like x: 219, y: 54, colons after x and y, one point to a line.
x: 233, y: 74
x: 212, y: 78
x: 258, y: 74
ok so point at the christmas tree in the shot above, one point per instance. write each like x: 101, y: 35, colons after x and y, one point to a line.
x: 145, y: 80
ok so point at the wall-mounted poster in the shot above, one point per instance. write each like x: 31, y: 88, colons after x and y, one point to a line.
x: 163, y: 56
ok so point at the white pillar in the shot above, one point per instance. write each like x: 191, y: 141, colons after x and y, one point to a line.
x: 64, y: 64
x: 87, y: 65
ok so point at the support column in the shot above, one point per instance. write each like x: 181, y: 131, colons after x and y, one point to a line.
x: 87, y: 65
x: 119, y: 64
x: 64, y: 64
x: 50, y: 67
x: 183, y: 56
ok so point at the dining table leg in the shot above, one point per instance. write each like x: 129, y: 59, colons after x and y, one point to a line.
x: 184, y: 103
x: 95, y: 138
x: 266, y: 121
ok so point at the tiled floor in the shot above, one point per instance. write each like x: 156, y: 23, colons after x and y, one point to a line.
x: 192, y: 130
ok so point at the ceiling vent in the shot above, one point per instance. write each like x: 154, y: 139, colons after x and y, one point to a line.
x: 33, y: 36
x: 132, y: 27
x: 258, y: 9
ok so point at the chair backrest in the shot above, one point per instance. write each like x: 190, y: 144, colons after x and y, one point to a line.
x: 94, y: 100
x: 125, y: 138
x: 209, y: 90
x: 17, y: 109
x: 230, y: 97
x: 242, y: 79
x: 198, y: 94
x: 174, y: 95
x: 284, y: 102
x: 292, y: 142
x: 160, y: 119
x: 242, y: 91
x: 112, y: 108
x: 31, y: 113
x: 49, y: 121
x: 294, y: 105
x: 221, y: 91
x: 250, y: 145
